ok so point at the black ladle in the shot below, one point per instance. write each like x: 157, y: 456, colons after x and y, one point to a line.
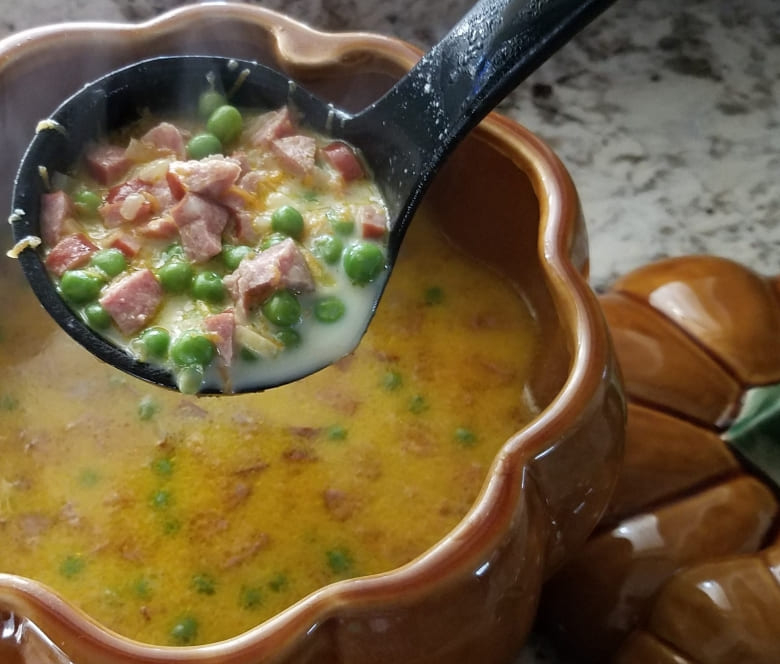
x: 404, y: 136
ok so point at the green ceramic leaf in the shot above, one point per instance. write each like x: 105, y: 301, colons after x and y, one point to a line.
x: 755, y: 434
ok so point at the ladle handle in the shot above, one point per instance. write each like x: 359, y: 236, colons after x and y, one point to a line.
x: 488, y: 53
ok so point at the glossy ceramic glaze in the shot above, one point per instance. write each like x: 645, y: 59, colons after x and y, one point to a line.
x: 471, y: 598
x: 685, y: 563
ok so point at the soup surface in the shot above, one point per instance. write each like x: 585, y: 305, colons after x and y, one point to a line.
x: 176, y: 519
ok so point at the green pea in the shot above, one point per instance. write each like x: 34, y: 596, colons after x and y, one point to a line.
x: 203, y: 145
x: 418, y: 404
x: 192, y: 349
x: 271, y: 239
x: 111, y: 261
x: 171, y: 526
x: 232, y: 255
x: 282, y: 308
x: 225, y: 123
x: 465, y: 436
x: 175, y: 276
x: 80, y: 286
x: 340, y: 561
x: 189, y: 379
x: 336, y: 432
x: 288, y: 337
x: 87, y: 202
x: 155, y: 342
x: 392, y: 380
x: 161, y: 499
x: 341, y: 224
x: 251, y: 597
x: 185, y: 631
x: 278, y: 582
x: 209, y: 102
x: 345, y: 227
x: 204, y: 584
x: 147, y: 408
x: 328, y: 248
x: 142, y: 588
x: 72, y: 566
x: 88, y: 477
x: 208, y: 286
x: 97, y: 317
x: 363, y: 262
x: 329, y: 309
x: 287, y: 220
x: 162, y: 467
x: 434, y: 295
x: 8, y: 402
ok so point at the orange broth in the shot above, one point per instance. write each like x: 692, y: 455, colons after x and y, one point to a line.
x: 174, y: 519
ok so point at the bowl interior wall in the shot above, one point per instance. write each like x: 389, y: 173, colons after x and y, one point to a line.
x: 487, y: 205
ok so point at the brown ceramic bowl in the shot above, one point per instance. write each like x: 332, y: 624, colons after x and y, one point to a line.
x: 471, y: 597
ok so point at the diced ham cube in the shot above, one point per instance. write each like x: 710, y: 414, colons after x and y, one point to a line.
x: 235, y: 199
x: 70, y: 252
x: 293, y: 269
x: 344, y: 160
x: 253, y: 281
x: 241, y: 200
x: 244, y: 193
x: 57, y: 217
x: 161, y: 228
x: 270, y: 126
x: 162, y: 197
x: 175, y: 186
x: 241, y: 228
x: 372, y: 221
x: 209, y: 177
x: 133, y: 300
x: 120, y: 192
x: 127, y: 202
x: 128, y: 244
x: 200, y: 224
x: 106, y: 163
x: 295, y: 153
x: 222, y: 326
x: 252, y: 181
x: 167, y: 138
x: 280, y: 266
x: 240, y: 157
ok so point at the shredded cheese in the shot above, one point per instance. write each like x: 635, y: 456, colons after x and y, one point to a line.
x: 47, y: 124
x: 16, y: 215
x: 27, y: 242
x: 44, y: 173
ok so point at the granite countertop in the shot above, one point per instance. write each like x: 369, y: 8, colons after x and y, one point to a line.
x: 666, y: 113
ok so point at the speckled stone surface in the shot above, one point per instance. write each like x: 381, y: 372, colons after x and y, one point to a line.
x: 666, y: 112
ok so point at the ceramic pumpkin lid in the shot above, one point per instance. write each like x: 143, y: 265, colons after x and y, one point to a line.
x: 683, y: 566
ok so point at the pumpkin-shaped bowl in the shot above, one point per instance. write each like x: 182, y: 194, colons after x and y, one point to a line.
x: 471, y: 595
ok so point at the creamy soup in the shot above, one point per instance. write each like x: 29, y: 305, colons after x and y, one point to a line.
x: 176, y: 519
x: 207, y: 244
